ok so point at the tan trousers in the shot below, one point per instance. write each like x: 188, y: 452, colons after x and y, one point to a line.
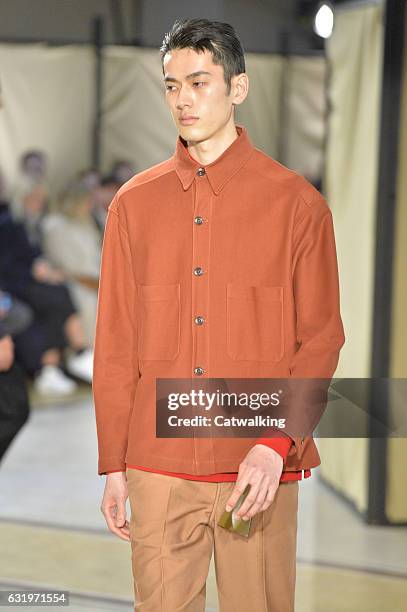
x: 173, y: 530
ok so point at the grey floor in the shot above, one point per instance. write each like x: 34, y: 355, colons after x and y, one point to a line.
x: 49, y: 489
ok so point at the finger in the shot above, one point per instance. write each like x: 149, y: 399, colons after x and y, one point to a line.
x: 125, y: 531
x: 126, y: 528
x: 242, y: 473
x: 240, y: 485
x: 251, y: 497
x: 120, y: 513
x: 271, y: 493
x: 258, y: 503
x: 121, y: 532
x: 110, y: 514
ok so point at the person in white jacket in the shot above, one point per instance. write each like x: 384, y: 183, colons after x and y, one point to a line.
x: 72, y: 243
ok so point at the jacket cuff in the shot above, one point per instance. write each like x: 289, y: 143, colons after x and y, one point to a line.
x: 280, y: 445
x: 111, y: 464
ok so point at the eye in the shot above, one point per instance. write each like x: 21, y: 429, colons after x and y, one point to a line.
x: 169, y: 87
x: 199, y: 83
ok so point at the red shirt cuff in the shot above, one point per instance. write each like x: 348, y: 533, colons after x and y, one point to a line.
x: 280, y: 445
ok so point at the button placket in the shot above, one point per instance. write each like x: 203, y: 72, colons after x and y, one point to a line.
x: 200, y: 280
x: 200, y: 316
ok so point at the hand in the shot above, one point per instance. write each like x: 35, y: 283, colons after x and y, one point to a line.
x: 6, y: 353
x: 261, y: 468
x: 114, y: 504
x: 56, y: 276
x: 41, y: 269
x: 44, y: 272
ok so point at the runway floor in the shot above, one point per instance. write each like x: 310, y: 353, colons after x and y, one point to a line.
x: 52, y: 533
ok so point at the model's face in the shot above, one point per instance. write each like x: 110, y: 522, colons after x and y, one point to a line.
x: 203, y: 95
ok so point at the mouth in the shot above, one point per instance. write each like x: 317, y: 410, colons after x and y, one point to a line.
x: 188, y: 119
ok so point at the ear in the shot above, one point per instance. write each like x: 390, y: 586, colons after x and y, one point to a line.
x: 240, y: 88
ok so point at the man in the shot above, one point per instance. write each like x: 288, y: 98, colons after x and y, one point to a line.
x: 218, y: 262
x: 14, y: 401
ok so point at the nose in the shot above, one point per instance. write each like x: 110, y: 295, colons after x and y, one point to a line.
x: 184, y: 99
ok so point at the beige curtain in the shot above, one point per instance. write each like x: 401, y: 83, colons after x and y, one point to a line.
x: 396, y: 502
x: 48, y: 104
x: 304, y: 116
x: 137, y: 121
x: 355, y: 55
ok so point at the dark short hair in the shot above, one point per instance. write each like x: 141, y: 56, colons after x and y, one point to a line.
x: 32, y: 153
x: 215, y: 36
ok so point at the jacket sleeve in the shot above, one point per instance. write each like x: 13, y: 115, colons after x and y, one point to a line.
x: 115, y: 365
x: 319, y: 328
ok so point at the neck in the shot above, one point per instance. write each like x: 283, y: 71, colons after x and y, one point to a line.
x: 207, y: 150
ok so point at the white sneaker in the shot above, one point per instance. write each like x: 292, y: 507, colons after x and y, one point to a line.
x: 81, y: 365
x: 51, y: 380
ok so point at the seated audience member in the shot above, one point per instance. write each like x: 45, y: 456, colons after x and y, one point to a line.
x: 31, y: 179
x: 90, y: 178
x: 14, y: 405
x: 33, y: 164
x: 30, y: 207
x: 72, y: 243
x: 122, y: 171
x: 102, y: 197
x: 26, y: 274
x: 30, y: 338
x: 104, y: 193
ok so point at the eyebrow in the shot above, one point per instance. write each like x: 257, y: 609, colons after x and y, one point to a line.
x: 189, y: 76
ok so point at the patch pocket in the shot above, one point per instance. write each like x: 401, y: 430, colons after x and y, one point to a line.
x: 254, y: 323
x: 159, y: 321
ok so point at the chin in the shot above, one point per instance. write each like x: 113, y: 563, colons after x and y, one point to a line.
x: 192, y: 132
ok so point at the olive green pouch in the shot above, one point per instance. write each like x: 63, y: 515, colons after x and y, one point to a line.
x: 229, y: 521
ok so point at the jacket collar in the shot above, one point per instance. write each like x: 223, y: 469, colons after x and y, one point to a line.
x: 221, y: 169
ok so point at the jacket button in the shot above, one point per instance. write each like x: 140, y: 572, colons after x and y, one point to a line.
x: 198, y: 271
x: 198, y: 220
x: 199, y: 371
x: 199, y: 320
x: 200, y: 171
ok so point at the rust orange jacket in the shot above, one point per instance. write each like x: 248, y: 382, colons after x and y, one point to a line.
x: 226, y: 270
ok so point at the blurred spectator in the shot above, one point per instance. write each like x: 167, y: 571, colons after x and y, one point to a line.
x: 15, y: 316
x: 122, y: 171
x: 30, y: 206
x: 26, y: 274
x: 90, y: 178
x: 103, y: 195
x: 33, y: 164
x: 32, y: 172
x: 72, y: 243
x: 14, y: 404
